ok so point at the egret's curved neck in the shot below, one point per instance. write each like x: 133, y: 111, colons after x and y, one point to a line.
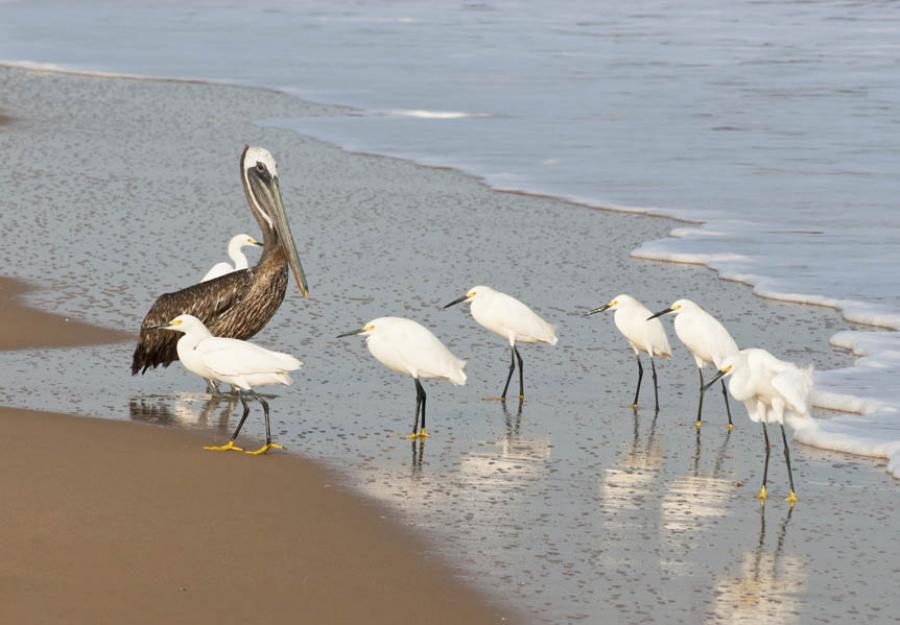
x: 193, y: 336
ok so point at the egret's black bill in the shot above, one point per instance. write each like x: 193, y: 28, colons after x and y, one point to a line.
x: 458, y: 300
x: 257, y: 243
x: 660, y: 314
x: 164, y: 326
x: 603, y: 308
x: 718, y: 377
x: 353, y: 333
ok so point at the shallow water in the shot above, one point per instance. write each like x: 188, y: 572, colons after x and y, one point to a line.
x: 576, y: 509
x: 774, y: 123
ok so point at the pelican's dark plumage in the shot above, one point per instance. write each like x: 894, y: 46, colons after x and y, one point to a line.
x: 238, y: 304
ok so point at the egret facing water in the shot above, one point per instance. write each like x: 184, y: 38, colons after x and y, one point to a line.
x: 232, y: 361
x: 409, y: 348
x: 707, y: 340
x: 768, y: 388
x: 509, y: 318
x: 643, y: 336
x: 235, y: 246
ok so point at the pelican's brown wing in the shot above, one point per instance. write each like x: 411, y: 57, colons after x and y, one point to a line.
x: 208, y: 301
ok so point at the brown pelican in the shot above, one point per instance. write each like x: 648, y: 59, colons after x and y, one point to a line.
x: 239, y: 304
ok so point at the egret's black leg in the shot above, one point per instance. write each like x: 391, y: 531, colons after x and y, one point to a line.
x: 269, y: 444
x: 640, y: 376
x: 792, y: 497
x: 265, y: 406
x: 421, y: 389
x: 521, y: 373
x: 240, y: 424
x: 762, y: 491
x: 727, y: 406
x: 655, y: 385
x: 230, y: 446
x: 512, y: 367
x: 699, y: 420
x: 415, y: 427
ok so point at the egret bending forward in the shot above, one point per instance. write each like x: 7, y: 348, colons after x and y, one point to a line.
x: 409, y: 348
x: 768, y: 388
x: 707, y: 340
x: 509, y: 318
x: 235, y: 246
x: 643, y: 336
x: 232, y: 361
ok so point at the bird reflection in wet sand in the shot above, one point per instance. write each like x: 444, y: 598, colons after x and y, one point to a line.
x: 418, y: 457
x: 695, y: 500
x: 626, y: 486
x: 768, y: 587
x: 184, y: 412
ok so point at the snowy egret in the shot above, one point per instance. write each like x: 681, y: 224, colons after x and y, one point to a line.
x: 409, y: 348
x: 707, y: 340
x: 235, y: 245
x: 232, y: 361
x: 643, y: 336
x: 509, y: 318
x: 768, y: 388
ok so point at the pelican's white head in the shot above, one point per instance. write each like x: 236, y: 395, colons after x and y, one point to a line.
x: 260, y: 159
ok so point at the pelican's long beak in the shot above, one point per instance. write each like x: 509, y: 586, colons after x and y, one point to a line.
x: 264, y: 191
x: 660, y: 313
x: 353, y: 333
x: 458, y: 300
x: 286, y: 238
x: 719, y: 375
x: 603, y: 308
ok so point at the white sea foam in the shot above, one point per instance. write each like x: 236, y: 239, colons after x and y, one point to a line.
x: 423, y: 114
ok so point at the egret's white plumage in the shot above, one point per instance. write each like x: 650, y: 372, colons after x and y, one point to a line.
x: 409, y: 348
x: 510, y: 319
x: 770, y: 389
x: 631, y: 318
x: 706, y: 339
x: 232, y: 361
x: 237, y: 256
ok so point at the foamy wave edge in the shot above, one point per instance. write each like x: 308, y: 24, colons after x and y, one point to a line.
x: 865, y: 394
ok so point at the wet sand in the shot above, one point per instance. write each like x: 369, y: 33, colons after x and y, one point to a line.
x: 28, y: 328
x: 110, y: 522
x: 573, y: 508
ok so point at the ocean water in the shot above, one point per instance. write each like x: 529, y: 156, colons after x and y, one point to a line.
x: 770, y: 126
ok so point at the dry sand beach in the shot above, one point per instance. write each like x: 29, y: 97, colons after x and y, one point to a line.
x: 573, y: 509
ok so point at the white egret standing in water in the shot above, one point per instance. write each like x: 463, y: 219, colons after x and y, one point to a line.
x: 769, y: 388
x: 509, y: 318
x: 232, y: 361
x: 707, y: 340
x: 643, y: 336
x: 409, y: 348
x: 235, y: 245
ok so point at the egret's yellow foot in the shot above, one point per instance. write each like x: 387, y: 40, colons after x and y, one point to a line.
x: 730, y: 426
x: 521, y: 398
x: 424, y: 434
x: 763, y: 495
x: 635, y: 406
x: 791, y: 498
x: 264, y: 449
x: 503, y: 399
x: 412, y: 437
x: 698, y: 424
x: 229, y: 446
